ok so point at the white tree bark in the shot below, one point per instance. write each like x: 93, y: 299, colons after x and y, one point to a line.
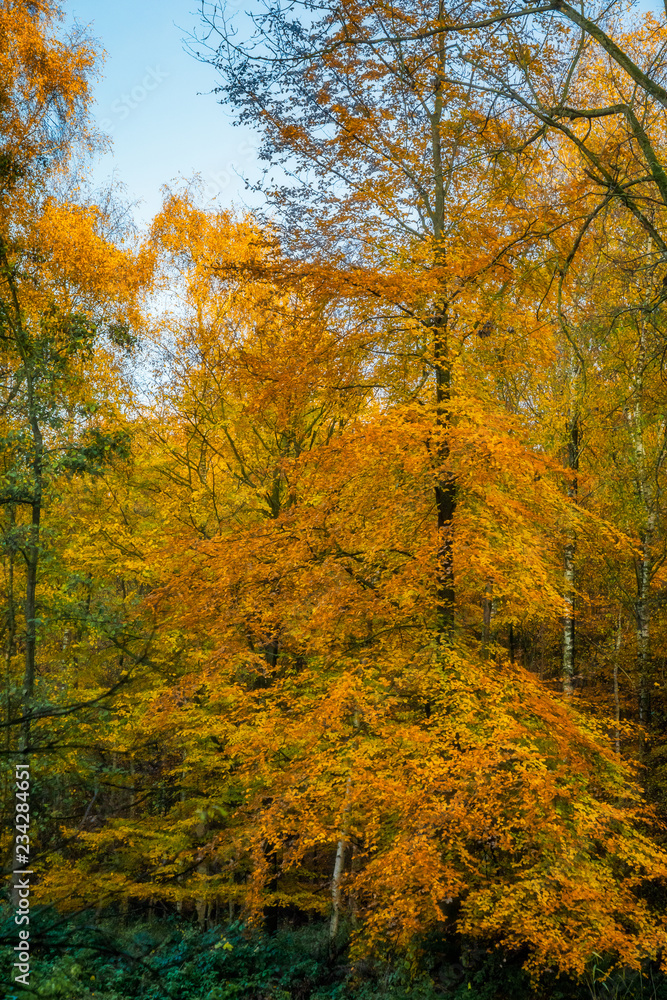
x: 617, y: 701
x: 569, y: 553
x: 568, y: 617
x: 647, y: 484
x: 339, y: 868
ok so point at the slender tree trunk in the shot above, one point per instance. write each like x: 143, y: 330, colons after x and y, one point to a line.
x: 28, y: 690
x: 569, y: 554
x: 643, y: 614
x: 617, y: 701
x: 647, y: 492
x: 272, y: 913
x: 202, y: 905
x: 339, y: 867
x: 487, y: 608
x: 32, y: 565
x: 25, y: 350
x: 445, y: 489
x: 201, y: 902
x: 9, y: 652
x: 568, y: 618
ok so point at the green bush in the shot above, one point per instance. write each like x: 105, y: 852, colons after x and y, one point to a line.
x: 167, y: 958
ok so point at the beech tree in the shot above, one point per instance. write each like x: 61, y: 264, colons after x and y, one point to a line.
x: 401, y: 157
x: 309, y: 728
x: 523, y: 87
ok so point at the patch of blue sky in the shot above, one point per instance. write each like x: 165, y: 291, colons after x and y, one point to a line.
x: 155, y: 101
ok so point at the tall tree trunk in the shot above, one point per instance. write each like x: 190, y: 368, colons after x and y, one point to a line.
x: 201, y: 902
x: 272, y: 912
x: 617, y: 700
x: 568, y: 617
x: 445, y: 489
x: 569, y: 554
x: 487, y: 608
x: 339, y: 867
x: 647, y: 491
x: 32, y: 565
x: 643, y: 615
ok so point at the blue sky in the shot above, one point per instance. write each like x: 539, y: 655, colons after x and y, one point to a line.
x: 154, y: 101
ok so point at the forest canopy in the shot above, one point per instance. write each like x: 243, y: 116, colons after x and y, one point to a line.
x: 333, y: 534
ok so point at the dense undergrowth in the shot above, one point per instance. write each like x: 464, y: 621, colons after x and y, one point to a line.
x: 167, y: 957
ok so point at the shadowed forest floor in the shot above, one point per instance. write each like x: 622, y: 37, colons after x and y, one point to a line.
x: 167, y: 957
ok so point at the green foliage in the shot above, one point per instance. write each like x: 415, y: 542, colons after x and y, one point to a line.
x: 93, y: 453
x: 161, y: 959
x: 120, y: 335
x: 63, y: 336
x: 11, y: 170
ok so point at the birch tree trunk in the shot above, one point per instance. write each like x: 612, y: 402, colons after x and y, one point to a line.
x: 644, y: 575
x: 32, y: 564
x: 32, y: 548
x: 201, y: 902
x: 647, y: 484
x: 617, y: 702
x: 339, y: 868
x: 572, y: 463
x: 487, y: 607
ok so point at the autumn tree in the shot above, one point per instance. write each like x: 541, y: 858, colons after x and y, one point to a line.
x: 411, y: 151
x: 305, y: 740
x: 69, y: 289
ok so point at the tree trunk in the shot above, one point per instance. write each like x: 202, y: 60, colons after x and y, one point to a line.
x: 487, y: 608
x: 339, y: 867
x: 569, y: 554
x: 272, y: 912
x: 647, y: 491
x: 32, y: 565
x: 28, y: 689
x: 445, y: 489
x: 201, y: 902
x: 643, y: 613
x: 568, y: 618
x: 617, y: 701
